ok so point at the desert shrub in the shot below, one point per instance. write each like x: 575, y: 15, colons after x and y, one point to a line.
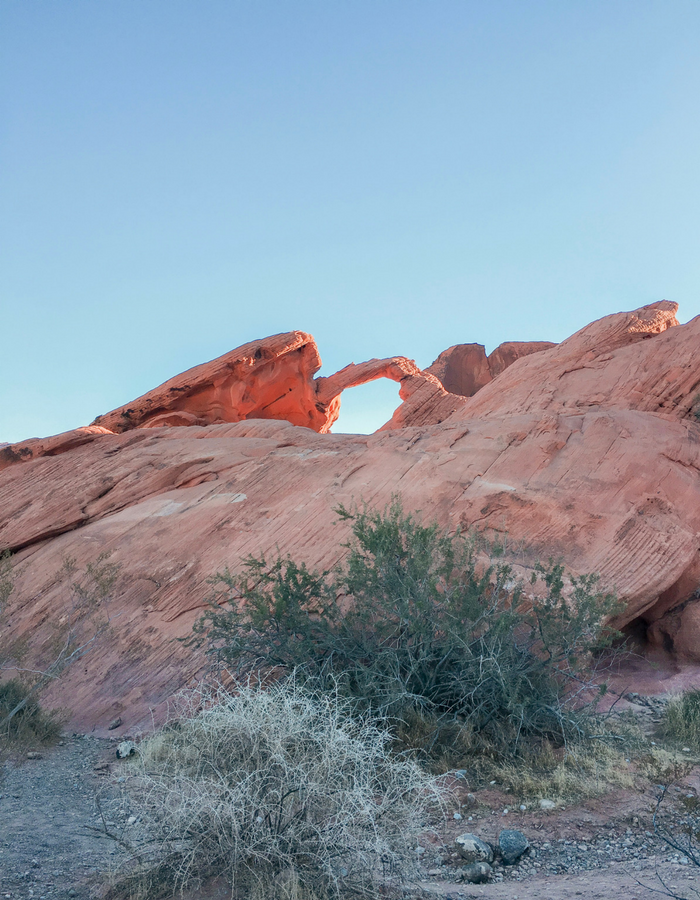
x: 414, y: 628
x: 86, y: 621
x: 681, y: 720
x: 31, y: 725
x: 280, y: 791
x: 695, y: 407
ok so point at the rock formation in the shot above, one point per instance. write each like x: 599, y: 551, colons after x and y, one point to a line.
x: 588, y: 450
x: 271, y: 379
x: 464, y: 369
x: 268, y: 379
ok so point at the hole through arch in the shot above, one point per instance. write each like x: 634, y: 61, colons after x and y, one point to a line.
x: 365, y: 408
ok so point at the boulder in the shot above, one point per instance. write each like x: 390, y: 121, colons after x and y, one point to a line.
x: 462, y: 369
x: 477, y: 873
x: 125, y: 749
x: 472, y: 849
x: 511, y: 845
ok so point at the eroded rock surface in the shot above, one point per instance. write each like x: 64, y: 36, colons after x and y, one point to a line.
x: 588, y: 451
x: 267, y: 379
x: 273, y: 378
x: 464, y: 369
x: 637, y: 360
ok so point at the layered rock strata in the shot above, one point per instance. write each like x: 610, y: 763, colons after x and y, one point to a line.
x: 588, y: 451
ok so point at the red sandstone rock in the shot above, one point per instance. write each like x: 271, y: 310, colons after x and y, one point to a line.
x: 635, y: 360
x: 464, y: 369
x: 271, y: 379
x: 274, y: 379
x: 426, y: 402
x: 267, y: 379
x: 50, y: 446
x: 507, y: 353
x: 588, y: 451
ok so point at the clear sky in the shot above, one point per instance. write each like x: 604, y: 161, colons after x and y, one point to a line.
x: 178, y: 177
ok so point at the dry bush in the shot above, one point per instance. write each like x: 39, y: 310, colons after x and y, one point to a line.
x: 31, y: 726
x: 7, y: 581
x: 22, y: 721
x: 87, y: 619
x: 280, y: 791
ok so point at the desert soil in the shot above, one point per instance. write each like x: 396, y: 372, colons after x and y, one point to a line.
x: 50, y: 843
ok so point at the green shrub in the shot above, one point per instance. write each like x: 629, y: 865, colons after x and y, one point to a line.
x: 412, y: 627
x: 279, y: 791
x: 695, y: 407
x: 681, y: 720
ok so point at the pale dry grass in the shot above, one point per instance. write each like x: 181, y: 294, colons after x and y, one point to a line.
x: 681, y: 720
x: 588, y: 770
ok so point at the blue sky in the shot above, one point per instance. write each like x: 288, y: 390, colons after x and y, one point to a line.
x: 177, y: 178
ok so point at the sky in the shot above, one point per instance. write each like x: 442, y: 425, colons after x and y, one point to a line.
x: 392, y: 176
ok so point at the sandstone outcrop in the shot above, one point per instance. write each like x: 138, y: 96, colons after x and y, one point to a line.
x: 425, y: 399
x: 465, y: 368
x: 50, y: 446
x: 588, y: 451
x: 637, y: 360
x: 273, y: 379
x: 267, y: 379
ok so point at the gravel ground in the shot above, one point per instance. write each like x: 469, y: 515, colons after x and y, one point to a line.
x: 49, y: 847
x: 47, y: 808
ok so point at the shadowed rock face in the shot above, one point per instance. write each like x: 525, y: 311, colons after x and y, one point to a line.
x: 588, y: 450
x: 464, y: 369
